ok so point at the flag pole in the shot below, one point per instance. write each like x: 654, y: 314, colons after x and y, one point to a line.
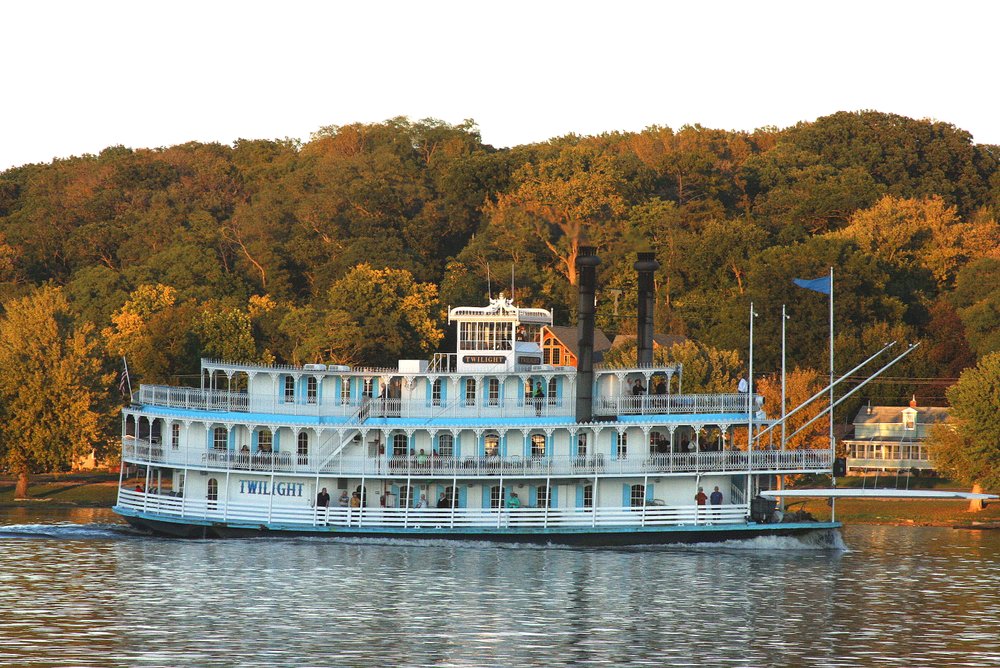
x: 833, y: 447
x: 783, y: 319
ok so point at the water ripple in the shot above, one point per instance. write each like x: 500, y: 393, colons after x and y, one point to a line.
x: 92, y: 594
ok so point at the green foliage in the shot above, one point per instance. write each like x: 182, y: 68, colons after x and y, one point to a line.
x: 54, y: 398
x: 970, y: 451
x: 705, y: 369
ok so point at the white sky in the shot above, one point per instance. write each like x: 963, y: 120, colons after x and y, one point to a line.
x: 81, y: 76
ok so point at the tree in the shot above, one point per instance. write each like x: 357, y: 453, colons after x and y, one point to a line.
x: 705, y: 369
x: 968, y: 448
x: 800, y: 384
x: 54, y: 398
x: 393, y: 315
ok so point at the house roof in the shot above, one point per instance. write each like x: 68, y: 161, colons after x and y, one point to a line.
x: 568, y: 337
x: 894, y: 415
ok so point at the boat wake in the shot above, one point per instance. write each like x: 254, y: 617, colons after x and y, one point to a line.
x: 826, y: 540
x: 65, y: 531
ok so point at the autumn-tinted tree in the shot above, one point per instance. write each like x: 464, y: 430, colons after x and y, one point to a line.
x: 969, y: 447
x: 54, y: 398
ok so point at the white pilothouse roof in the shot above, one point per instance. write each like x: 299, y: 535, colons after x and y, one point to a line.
x: 501, y: 309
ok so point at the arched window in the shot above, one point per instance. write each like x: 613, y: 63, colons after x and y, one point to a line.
x: 637, y: 499
x: 581, y: 445
x: 553, y: 392
x: 213, y: 492
x: 220, y: 438
x: 302, y: 447
x: 311, y: 389
x: 655, y: 438
x: 470, y: 391
x: 491, y: 445
x: 400, y: 445
x: 496, y: 497
x: 436, y: 392
x: 538, y: 445
x: 264, y: 440
x: 622, y: 445
x: 345, y: 391
x: 446, y: 445
x: 289, y: 389
x: 588, y: 496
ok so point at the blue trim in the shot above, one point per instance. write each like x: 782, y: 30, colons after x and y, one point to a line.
x: 276, y: 440
x: 463, y: 497
x: 626, y: 496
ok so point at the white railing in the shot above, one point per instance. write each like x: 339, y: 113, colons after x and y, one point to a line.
x: 503, y: 407
x: 432, y: 466
x: 669, y: 404
x: 305, y: 516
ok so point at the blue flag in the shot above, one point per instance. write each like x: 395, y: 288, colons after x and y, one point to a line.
x: 815, y: 284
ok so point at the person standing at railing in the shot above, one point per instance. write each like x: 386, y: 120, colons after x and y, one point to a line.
x: 539, y: 398
x: 716, y: 500
x: 323, y: 505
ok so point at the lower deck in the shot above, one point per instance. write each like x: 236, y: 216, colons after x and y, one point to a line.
x: 507, y: 526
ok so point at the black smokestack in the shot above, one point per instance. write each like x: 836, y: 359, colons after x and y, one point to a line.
x: 586, y: 277
x: 646, y: 265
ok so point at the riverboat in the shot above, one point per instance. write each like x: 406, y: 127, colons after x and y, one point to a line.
x: 488, y: 442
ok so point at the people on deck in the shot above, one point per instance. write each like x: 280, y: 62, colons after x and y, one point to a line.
x: 716, y: 498
x: 422, y: 458
x: 443, y: 501
x: 344, y: 499
x: 539, y: 398
x: 513, y: 501
x: 700, y: 498
x: 422, y: 503
x: 355, y: 500
x: 637, y: 388
x: 323, y: 499
x: 743, y: 386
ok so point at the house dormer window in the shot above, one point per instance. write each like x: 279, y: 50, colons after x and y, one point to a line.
x: 909, y: 419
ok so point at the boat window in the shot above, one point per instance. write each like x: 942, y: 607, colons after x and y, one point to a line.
x: 449, y: 495
x: 496, y: 497
x: 368, y: 387
x: 581, y: 445
x: 446, y: 445
x: 345, y: 391
x: 538, y: 445
x: 637, y: 499
x: 492, y: 445
x: 311, y: 390
x: 436, y: 392
x: 175, y: 436
x: 543, y: 496
x: 289, y: 389
x: 405, y: 496
x: 220, y: 438
x: 302, y: 448
x: 588, y: 496
x: 264, y: 440
x: 553, y: 391
x: 622, y: 446
x: 494, y: 392
x: 470, y: 391
x: 399, y: 445
x: 213, y: 490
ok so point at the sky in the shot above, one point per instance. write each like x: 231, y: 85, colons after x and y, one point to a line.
x: 82, y: 76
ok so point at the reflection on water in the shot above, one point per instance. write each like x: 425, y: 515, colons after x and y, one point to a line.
x: 78, y: 589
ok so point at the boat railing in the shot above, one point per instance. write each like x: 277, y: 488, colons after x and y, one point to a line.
x: 303, y: 514
x: 669, y: 404
x: 436, y: 466
x: 501, y: 407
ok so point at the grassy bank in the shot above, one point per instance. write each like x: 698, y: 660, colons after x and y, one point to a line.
x: 90, y: 489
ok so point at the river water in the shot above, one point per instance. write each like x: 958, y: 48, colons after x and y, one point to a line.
x: 78, y: 589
